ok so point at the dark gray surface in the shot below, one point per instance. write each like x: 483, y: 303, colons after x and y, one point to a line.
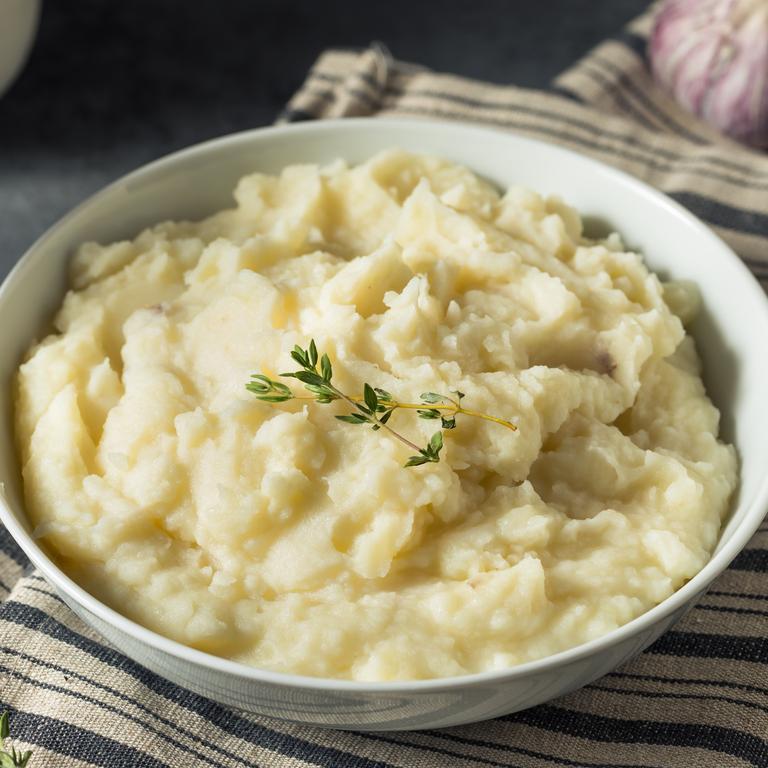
x: 111, y: 86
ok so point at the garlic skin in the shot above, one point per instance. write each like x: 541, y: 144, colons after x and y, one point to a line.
x: 712, y: 56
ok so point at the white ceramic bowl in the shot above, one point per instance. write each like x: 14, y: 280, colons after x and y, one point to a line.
x: 18, y: 25
x: 730, y: 332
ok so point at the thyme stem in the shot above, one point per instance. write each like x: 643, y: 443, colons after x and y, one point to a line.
x: 455, y: 408
x: 372, y: 418
x: 375, y: 406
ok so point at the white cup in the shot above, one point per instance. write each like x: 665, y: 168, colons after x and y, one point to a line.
x: 18, y: 25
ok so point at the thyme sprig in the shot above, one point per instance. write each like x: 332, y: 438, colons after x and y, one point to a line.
x: 12, y: 759
x: 375, y: 407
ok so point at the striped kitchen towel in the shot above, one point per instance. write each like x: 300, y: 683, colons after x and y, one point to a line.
x: 697, y: 697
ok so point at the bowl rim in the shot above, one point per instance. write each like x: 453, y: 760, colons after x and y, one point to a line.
x: 753, y: 515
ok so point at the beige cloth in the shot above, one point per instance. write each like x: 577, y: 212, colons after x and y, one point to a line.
x: 697, y: 697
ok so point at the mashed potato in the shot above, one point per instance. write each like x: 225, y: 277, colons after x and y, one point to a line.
x: 277, y: 535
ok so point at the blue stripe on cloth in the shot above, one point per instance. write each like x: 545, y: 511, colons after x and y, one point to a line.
x: 731, y: 609
x: 10, y: 548
x: 722, y: 215
x: 691, y: 644
x: 45, y: 592
x: 691, y: 681
x: 741, y: 595
x: 715, y: 738
x: 678, y: 696
x: 751, y: 560
x: 633, y: 41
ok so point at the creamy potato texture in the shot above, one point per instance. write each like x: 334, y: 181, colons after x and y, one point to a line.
x: 281, y: 537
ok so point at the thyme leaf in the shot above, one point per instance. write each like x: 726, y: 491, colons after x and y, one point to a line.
x: 12, y: 759
x: 374, y: 408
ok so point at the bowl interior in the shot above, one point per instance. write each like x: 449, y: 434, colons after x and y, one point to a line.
x: 730, y: 331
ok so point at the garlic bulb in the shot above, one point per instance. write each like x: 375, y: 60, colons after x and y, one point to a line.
x: 712, y: 56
